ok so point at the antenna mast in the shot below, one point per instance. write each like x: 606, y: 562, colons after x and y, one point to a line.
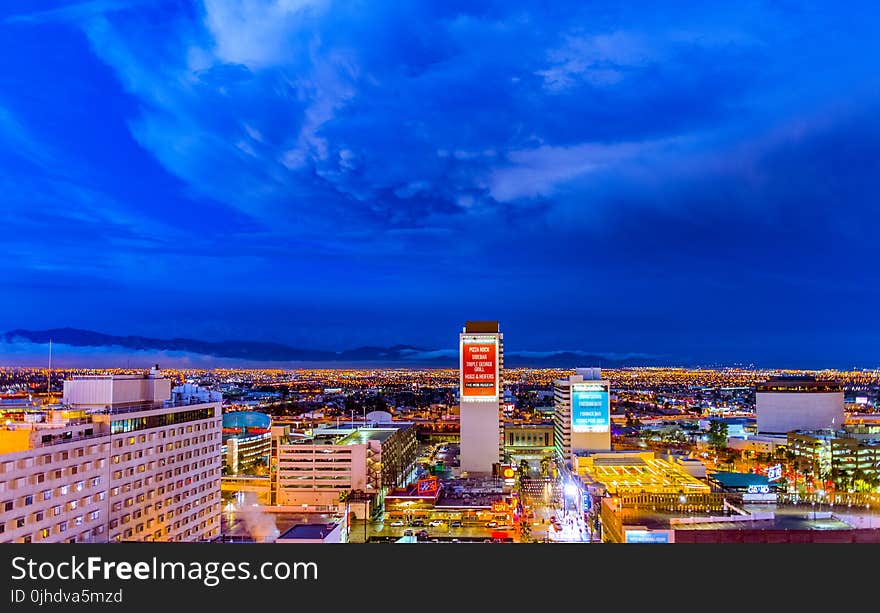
x: 49, y: 376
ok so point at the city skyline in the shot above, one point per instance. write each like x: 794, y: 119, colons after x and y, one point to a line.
x: 693, y: 183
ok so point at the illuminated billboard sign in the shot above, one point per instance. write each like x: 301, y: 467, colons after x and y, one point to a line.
x: 479, y: 367
x: 645, y: 536
x: 428, y: 487
x: 590, y: 408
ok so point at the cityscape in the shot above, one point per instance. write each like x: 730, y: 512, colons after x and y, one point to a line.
x: 481, y: 453
x: 307, y: 272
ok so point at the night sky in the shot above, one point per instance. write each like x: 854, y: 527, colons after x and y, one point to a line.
x: 697, y: 181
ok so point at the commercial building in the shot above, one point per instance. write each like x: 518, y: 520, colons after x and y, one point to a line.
x: 582, y: 419
x: 117, y: 460
x: 852, y: 463
x: 481, y: 352
x: 471, y: 501
x: 529, y: 440
x: 635, y: 472
x: 247, y: 440
x: 784, y: 404
x: 711, y: 518
x: 318, y: 471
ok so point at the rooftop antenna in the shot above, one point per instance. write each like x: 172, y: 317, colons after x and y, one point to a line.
x: 49, y: 376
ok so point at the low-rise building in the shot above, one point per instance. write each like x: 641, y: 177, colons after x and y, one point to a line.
x: 318, y: 471
x: 635, y: 472
x: 246, y: 442
x: 852, y: 463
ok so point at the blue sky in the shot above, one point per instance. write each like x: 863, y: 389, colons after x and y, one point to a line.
x: 691, y: 180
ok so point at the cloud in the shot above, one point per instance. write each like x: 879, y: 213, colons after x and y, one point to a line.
x: 75, y: 11
x: 402, y: 116
x: 412, y: 155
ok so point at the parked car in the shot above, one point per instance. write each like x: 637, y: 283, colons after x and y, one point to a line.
x: 455, y: 524
x: 435, y: 523
x: 397, y: 523
x: 418, y: 523
x: 491, y: 524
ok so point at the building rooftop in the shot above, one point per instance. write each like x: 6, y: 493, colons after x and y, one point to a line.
x: 637, y: 472
x: 246, y: 419
x: 308, y: 531
x: 658, y: 520
x: 739, y: 480
x: 798, y: 384
x: 481, y: 327
x: 359, y: 437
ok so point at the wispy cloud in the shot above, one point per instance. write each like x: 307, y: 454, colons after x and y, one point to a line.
x: 75, y: 11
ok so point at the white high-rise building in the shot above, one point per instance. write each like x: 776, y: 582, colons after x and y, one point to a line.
x: 116, y: 461
x: 582, y: 419
x: 481, y: 359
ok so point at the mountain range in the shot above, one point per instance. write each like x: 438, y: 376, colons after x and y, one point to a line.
x: 258, y: 351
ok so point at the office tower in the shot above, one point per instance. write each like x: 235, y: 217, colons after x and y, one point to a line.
x: 117, y: 460
x: 481, y: 359
x: 582, y: 419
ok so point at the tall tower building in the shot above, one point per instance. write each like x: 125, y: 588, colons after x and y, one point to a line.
x: 582, y: 419
x: 481, y: 352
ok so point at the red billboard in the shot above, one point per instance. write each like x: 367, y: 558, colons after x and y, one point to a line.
x: 428, y: 487
x: 479, y: 368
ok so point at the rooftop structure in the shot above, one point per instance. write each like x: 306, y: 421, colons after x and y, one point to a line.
x: 784, y: 404
x: 313, y: 533
x: 636, y: 472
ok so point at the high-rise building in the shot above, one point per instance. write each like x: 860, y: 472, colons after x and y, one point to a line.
x: 582, y: 419
x: 481, y: 361
x: 118, y: 460
x: 784, y: 404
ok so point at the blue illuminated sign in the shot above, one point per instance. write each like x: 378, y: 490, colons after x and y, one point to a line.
x: 643, y: 536
x: 590, y: 409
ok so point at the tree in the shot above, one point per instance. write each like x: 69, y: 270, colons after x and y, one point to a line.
x: 718, y: 434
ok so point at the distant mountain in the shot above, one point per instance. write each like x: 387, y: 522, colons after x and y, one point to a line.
x: 256, y: 351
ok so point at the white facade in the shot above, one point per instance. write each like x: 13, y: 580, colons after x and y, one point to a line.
x: 142, y: 470
x: 312, y: 474
x: 480, y: 419
x: 567, y: 441
x: 781, y: 412
x: 115, y: 390
x: 189, y: 392
x: 480, y: 437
